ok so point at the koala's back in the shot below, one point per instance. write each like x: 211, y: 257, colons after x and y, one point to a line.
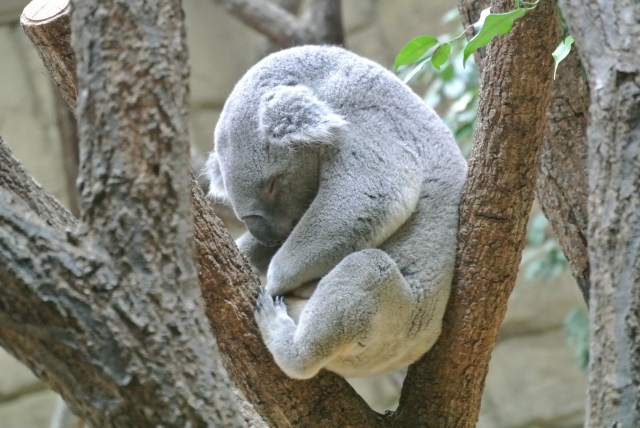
x: 369, y: 97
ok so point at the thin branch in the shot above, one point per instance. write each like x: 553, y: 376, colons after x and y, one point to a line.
x: 323, y: 19
x: 68, y: 130
x: 269, y: 19
x: 47, y: 26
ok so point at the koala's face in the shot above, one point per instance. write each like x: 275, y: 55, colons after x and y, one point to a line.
x: 269, y: 188
x: 269, y: 146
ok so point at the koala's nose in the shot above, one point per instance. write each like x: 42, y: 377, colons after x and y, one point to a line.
x: 261, y: 229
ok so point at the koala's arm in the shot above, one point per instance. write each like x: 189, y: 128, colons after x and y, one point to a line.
x: 346, y: 216
x: 259, y: 255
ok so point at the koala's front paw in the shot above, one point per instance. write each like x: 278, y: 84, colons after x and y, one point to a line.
x: 271, y: 316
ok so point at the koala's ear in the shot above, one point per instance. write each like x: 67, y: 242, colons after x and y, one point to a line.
x: 293, y: 114
x: 217, y: 190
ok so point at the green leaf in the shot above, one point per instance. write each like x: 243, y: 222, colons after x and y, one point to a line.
x: 415, y: 49
x: 447, y: 73
x: 441, y: 55
x: 496, y: 23
x: 561, y: 52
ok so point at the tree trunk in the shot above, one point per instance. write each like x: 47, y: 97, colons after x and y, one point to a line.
x: 110, y: 312
x: 608, y: 38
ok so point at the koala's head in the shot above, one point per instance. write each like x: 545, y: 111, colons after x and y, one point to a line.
x: 268, y: 157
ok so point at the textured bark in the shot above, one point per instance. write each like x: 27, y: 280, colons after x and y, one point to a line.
x: 110, y: 312
x: 445, y: 387
x: 59, y: 313
x: 46, y: 23
x: 607, y: 35
x: 561, y: 186
x: 16, y: 180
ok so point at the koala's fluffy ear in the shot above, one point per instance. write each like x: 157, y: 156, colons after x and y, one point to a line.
x: 217, y: 190
x: 293, y: 114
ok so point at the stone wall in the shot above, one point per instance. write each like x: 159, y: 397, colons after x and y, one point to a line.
x: 533, y: 380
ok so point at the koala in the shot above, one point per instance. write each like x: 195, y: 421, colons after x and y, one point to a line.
x: 349, y: 186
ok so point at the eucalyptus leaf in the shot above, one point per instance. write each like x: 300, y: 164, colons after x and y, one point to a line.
x: 441, y: 55
x: 494, y: 24
x: 561, y: 52
x: 415, y: 49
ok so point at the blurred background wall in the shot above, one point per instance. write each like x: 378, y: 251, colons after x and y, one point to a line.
x: 534, y: 379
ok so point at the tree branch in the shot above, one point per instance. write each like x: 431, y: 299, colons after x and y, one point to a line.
x: 323, y: 19
x: 445, y: 387
x: 15, y: 179
x: 47, y: 26
x: 60, y: 289
x: 561, y: 186
x: 68, y: 130
x: 269, y: 19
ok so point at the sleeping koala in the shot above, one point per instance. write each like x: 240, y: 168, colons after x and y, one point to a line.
x: 349, y: 186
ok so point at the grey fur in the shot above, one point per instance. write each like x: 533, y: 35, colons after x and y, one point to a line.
x: 364, y: 204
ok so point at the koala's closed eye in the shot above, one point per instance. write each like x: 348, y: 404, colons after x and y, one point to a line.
x: 272, y: 186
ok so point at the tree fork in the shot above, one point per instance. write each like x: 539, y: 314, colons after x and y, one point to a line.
x: 499, y: 208
x: 227, y: 284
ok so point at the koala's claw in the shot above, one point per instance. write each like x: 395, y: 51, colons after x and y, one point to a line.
x: 263, y: 299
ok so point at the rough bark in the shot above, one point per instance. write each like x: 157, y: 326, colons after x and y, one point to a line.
x: 561, y: 186
x: 607, y: 35
x: 15, y: 179
x: 110, y: 313
x: 445, y: 387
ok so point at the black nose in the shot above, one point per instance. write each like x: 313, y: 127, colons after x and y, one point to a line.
x: 261, y: 230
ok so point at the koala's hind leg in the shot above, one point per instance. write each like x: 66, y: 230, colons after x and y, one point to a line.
x: 349, y: 302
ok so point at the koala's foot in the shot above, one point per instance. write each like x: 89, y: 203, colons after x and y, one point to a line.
x: 278, y: 330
